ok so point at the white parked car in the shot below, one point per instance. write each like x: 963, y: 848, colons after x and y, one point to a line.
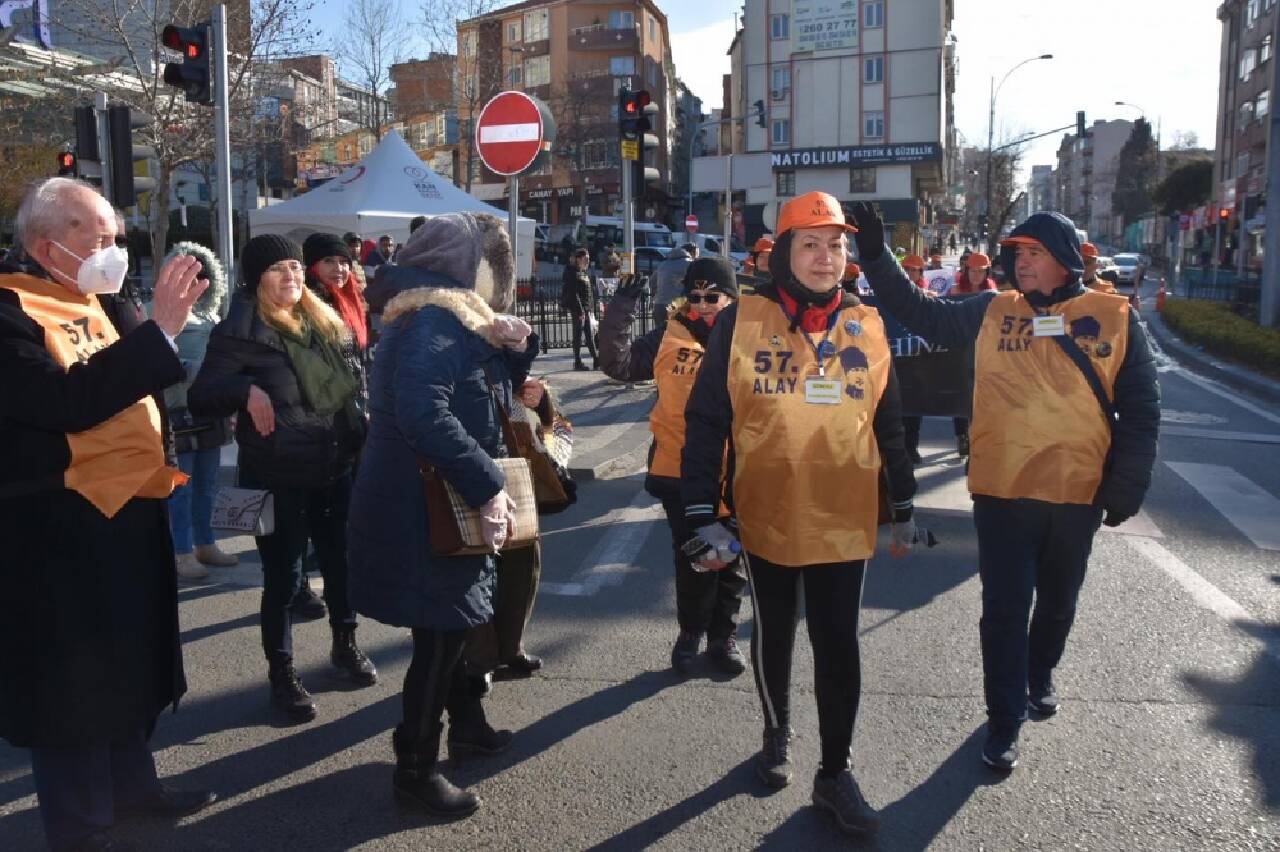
x: 1129, y: 268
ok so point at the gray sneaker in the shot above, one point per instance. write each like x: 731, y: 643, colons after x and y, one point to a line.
x: 726, y: 656
x: 773, y: 763
x: 841, y: 796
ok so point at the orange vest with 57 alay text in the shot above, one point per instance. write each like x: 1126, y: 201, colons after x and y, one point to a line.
x: 674, y: 368
x: 1038, y: 432
x: 122, y: 457
x: 806, y: 476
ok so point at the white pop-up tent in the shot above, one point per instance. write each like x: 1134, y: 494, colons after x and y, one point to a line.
x: 380, y: 195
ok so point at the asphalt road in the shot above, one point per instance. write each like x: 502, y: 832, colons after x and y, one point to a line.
x: 1169, y: 736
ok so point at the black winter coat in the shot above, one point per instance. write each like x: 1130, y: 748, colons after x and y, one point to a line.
x: 577, y: 291
x: 1136, y: 391
x: 89, y: 648
x: 306, y: 449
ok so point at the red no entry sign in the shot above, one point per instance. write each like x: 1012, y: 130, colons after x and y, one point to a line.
x: 691, y: 223
x: 513, y: 130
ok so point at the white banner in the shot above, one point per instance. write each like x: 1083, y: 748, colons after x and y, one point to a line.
x: 825, y: 24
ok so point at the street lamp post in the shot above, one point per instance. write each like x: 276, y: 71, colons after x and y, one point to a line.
x: 991, y: 121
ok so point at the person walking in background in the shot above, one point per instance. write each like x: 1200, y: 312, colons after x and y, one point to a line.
x: 1091, y: 280
x: 352, y: 242
x: 800, y: 378
x: 707, y: 602
x: 974, y: 275
x: 198, y: 440
x: 1066, y: 412
x: 446, y: 352
x: 610, y: 263
x: 577, y: 297
x: 90, y: 653
x: 276, y: 363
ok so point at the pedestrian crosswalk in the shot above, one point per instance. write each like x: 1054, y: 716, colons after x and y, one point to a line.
x: 1250, y: 509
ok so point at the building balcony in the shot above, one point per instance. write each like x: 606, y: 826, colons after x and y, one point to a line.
x: 533, y: 49
x: 601, y: 37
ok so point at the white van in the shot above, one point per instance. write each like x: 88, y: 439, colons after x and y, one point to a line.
x: 711, y: 244
x: 608, y: 229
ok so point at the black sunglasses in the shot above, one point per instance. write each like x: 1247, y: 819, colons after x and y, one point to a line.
x: 709, y: 298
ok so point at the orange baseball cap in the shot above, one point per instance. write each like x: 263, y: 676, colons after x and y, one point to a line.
x: 978, y: 260
x: 762, y: 244
x: 1021, y: 241
x: 913, y: 260
x: 851, y: 271
x: 1089, y: 250
x: 812, y: 210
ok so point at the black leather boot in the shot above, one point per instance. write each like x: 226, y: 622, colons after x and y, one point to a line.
x: 471, y: 735
x: 347, y: 656
x: 418, y: 783
x: 288, y: 693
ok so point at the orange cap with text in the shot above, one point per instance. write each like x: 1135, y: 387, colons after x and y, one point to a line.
x: 978, y: 260
x: 913, y: 260
x: 812, y: 210
x: 763, y: 244
x: 851, y: 271
x: 1089, y: 250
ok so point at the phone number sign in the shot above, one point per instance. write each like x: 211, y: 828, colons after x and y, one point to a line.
x: 826, y: 24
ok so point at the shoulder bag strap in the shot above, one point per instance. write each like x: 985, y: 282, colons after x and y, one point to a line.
x: 508, y: 431
x: 1090, y: 375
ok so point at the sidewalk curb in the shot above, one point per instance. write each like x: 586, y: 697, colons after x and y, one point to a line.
x: 631, y: 462
x: 1234, y: 375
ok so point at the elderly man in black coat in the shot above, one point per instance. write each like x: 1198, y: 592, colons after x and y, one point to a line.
x: 89, y: 653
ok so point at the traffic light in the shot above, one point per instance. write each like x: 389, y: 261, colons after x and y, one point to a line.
x: 125, y: 186
x: 1224, y: 215
x: 192, y: 74
x: 633, y: 113
x: 88, y: 161
x: 760, y: 119
x: 66, y: 163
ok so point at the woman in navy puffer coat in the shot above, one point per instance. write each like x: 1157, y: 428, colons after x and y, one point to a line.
x: 429, y: 398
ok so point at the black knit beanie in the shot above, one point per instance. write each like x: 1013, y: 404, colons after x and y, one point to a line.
x: 711, y: 272
x: 318, y: 246
x: 780, y: 273
x: 261, y: 252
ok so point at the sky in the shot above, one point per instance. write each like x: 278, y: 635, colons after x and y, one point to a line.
x: 1159, y: 54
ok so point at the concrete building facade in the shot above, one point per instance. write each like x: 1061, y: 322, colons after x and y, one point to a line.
x: 1086, y: 178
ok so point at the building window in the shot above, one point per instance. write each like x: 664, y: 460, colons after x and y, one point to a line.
x: 873, y: 124
x: 1248, y: 62
x: 779, y: 27
x: 1251, y: 14
x: 782, y: 131
x: 1242, y: 164
x: 1264, y: 52
x: 780, y: 85
x: 537, y: 25
x: 1245, y: 116
x: 513, y: 31
x: 1262, y: 106
x: 653, y: 29
x: 537, y: 71
x: 786, y: 182
x: 862, y: 180
x: 873, y: 69
x: 873, y: 15
x: 622, y: 66
x: 515, y: 76
x: 622, y: 20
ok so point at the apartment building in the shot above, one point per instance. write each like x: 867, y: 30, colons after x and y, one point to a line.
x: 575, y: 55
x: 1086, y: 178
x: 857, y: 102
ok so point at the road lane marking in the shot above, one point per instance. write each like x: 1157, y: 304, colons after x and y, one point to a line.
x: 1206, y: 595
x: 1249, y: 508
x: 1218, y: 435
x: 614, y: 556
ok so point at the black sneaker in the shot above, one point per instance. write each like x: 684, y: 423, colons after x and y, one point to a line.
x: 962, y: 446
x: 1042, y: 698
x: 288, y: 693
x: 773, y: 763
x: 915, y: 456
x: 348, y: 657
x: 841, y: 796
x: 726, y: 656
x: 685, y: 651
x: 1000, y: 751
x: 477, y: 739
x: 307, y: 605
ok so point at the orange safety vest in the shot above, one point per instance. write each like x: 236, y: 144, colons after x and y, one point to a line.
x: 675, y: 367
x: 1101, y: 285
x: 120, y: 458
x: 1038, y: 431
x: 805, y: 479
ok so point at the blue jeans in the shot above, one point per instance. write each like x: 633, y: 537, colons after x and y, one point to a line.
x: 191, y: 505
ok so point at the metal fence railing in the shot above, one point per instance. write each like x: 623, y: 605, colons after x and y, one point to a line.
x: 538, y: 304
x: 1241, y: 292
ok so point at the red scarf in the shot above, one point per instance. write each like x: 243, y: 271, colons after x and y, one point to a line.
x: 347, y: 301
x: 816, y: 318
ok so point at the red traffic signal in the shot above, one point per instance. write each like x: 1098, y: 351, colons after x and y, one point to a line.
x: 1224, y: 213
x: 632, y: 120
x: 192, y: 76
x: 66, y: 163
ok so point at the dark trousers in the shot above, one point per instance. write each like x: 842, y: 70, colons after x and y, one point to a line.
x: 80, y: 787
x: 318, y: 513
x: 706, y: 602
x: 436, y: 679
x: 490, y: 645
x: 1026, y: 548
x: 832, y: 601
x: 911, y: 425
x: 582, y: 329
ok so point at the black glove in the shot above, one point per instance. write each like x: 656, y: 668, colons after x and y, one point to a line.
x: 870, y: 235
x: 632, y: 286
x: 1116, y: 517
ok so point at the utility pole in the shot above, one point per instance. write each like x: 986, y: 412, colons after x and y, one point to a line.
x: 1270, y: 280
x: 222, y: 140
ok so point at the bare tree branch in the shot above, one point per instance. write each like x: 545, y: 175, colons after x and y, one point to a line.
x: 369, y: 42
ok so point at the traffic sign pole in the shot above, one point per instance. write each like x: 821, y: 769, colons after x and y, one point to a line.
x: 513, y: 212
x: 628, y: 222
x: 222, y: 144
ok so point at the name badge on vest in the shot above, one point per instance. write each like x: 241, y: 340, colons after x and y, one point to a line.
x: 820, y: 391
x: 1053, y: 325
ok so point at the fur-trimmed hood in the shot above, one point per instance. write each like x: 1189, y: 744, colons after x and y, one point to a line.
x: 210, y: 303
x: 471, y: 310
x: 471, y: 249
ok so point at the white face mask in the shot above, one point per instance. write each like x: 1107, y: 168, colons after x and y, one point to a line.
x: 103, y: 271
